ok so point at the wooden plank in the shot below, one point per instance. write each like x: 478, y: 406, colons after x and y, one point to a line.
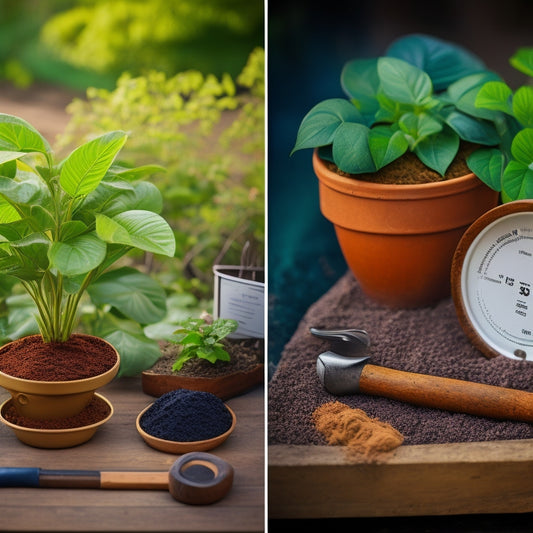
x: 446, y: 479
x: 117, y: 446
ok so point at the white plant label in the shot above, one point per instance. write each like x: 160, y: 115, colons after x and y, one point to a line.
x: 242, y: 300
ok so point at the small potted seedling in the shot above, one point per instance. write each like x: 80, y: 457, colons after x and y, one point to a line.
x: 200, y: 355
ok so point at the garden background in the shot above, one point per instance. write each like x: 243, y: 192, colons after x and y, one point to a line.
x: 186, y: 80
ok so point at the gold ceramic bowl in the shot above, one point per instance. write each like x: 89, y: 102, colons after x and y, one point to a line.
x: 55, y: 438
x: 172, y: 446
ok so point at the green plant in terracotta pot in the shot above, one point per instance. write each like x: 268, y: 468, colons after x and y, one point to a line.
x: 391, y: 164
x: 508, y: 168
x: 62, y: 225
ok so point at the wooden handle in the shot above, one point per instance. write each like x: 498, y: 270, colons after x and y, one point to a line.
x: 134, y: 480
x: 448, y: 394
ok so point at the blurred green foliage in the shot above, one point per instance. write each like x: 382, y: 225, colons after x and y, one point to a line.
x: 82, y: 43
x: 208, y: 133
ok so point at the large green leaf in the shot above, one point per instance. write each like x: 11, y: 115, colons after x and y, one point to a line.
x: 444, y: 62
x: 418, y: 127
x: 138, y: 228
x: 522, y: 60
x: 517, y: 181
x: 17, y: 135
x: 78, y: 255
x: 386, y: 145
x: 7, y: 155
x: 487, y: 164
x: 360, y: 81
x: 522, y: 147
x: 403, y: 82
x: 523, y: 106
x: 133, y: 293
x: 24, y: 192
x: 495, y: 95
x: 473, y: 130
x: 135, y: 173
x: 85, y: 167
x: 137, y: 352
x: 319, y: 126
x: 464, y: 93
x: 351, y: 151
x: 438, y: 151
x: 143, y: 195
x: 7, y: 212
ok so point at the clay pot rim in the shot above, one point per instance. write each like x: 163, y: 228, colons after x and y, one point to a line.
x: 32, y: 383
x: 378, y: 190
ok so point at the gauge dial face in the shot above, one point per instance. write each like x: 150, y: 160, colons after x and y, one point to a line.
x: 497, y: 285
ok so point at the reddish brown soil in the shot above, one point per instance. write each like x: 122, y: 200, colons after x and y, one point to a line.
x: 80, y: 357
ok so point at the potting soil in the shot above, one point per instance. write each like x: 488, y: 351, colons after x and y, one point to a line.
x: 427, y: 340
x: 185, y: 415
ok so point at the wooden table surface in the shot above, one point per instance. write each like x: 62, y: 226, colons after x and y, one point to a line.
x: 117, y: 446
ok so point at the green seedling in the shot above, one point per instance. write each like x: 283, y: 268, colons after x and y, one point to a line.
x: 509, y: 167
x: 201, y: 339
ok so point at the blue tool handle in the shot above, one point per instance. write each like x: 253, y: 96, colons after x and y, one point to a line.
x: 19, y: 477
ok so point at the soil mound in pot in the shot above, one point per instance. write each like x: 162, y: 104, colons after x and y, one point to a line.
x: 80, y: 357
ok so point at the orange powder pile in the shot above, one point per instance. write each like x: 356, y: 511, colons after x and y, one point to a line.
x: 367, y: 439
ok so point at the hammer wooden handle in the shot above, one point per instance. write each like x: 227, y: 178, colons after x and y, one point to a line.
x: 448, y: 394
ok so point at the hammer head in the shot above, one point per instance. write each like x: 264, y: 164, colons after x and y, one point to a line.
x: 340, y: 374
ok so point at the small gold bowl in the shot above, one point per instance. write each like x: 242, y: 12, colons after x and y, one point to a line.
x: 55, y: 438
x: 172, y: 446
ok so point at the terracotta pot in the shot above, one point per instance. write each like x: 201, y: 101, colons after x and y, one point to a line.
x: 49, y: 400
x: 399, y: 240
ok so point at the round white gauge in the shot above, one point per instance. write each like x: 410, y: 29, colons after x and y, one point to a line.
x: 492, y: 281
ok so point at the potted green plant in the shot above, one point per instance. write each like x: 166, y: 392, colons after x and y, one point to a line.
x: 508, y: 168
x: 201, y: 355
x: 391, y: 164
x: 62, y: 225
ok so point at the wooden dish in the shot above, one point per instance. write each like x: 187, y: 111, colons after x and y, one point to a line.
x: 171, y: 446
x: 55, y: 438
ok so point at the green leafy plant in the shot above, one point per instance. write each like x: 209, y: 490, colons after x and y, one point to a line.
x: 509, y: 167
x: 201, y: 339
x: 64, y: 223
x: 416, y: 97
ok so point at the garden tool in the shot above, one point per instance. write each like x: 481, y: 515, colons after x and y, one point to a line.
x: 343, y: 374
x: 194, y: 478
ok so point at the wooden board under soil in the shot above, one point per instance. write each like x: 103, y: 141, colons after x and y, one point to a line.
x: 441, y: 479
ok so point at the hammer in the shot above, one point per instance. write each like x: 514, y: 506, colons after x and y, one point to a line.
x: 342, y: 375
x: 195, y: 478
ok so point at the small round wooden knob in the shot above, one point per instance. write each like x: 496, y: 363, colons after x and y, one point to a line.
x: 199, y: 478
